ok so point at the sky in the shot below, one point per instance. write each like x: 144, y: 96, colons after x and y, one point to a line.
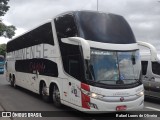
x: 142, y: 15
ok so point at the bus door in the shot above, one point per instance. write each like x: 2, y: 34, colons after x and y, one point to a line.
x: 71, y: 86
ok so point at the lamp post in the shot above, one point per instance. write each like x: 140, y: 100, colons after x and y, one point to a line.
x: 97, y: 5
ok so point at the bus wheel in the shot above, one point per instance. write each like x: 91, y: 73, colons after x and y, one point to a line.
x: 10, y: 80
x: 56, y: 96
x: 13, y: 82
x: 43, y: 92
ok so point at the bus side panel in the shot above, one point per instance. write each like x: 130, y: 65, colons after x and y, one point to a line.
x: 71, y: 93
x: 68, y: 87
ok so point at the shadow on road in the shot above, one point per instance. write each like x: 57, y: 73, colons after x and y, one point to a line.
x: 65, y: 111
x: 152, y: 99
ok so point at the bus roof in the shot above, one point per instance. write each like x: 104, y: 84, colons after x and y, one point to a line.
x: 80, y: 14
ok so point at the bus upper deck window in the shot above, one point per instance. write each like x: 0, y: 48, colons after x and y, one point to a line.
x: 65, y: 26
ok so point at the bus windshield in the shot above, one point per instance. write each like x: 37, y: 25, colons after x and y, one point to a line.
x: 113, y: 67
x: 102, y: 27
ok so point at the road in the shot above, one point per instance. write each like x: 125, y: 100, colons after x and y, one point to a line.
x: 23, y: 100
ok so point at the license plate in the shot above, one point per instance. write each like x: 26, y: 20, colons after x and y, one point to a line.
x: 121, y: 108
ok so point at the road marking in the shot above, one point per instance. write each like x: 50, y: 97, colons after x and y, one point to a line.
x: 152, y: 108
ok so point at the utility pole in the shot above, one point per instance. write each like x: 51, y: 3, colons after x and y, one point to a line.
x: 97, y: 5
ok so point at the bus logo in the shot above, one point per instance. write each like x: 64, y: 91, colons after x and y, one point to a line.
x: 122, y: 99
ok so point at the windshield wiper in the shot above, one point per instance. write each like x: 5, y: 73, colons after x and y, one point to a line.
x: 104, y: 80
x: 129, y: 79
x: 90, y: 70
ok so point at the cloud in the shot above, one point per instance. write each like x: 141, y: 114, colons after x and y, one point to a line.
x: 3, y: 40
x: 142, y: 15
x: 34, y: 12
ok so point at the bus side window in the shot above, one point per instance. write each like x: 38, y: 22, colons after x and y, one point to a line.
x: 65, y: 26
x: 71, y: 54
x: 156, y: 68
x: 144, y: 67
x: 42, y: 34
x: 74, y: 68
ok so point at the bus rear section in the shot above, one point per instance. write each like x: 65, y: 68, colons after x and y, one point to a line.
x: 2, y: 62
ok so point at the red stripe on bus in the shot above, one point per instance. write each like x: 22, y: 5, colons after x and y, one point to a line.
x: 85, y: 87
x: 85, y: 98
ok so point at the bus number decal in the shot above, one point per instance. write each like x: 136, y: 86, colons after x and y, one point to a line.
x: 75, y: 91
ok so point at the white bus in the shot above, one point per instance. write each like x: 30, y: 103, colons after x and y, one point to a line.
x: 87, y: 60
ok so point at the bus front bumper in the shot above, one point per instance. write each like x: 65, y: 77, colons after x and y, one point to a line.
x: 99, y: 106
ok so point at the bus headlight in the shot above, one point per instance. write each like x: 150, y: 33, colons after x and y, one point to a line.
x: 94, y: 95
x: 91, y: 94
x: 140, y: 93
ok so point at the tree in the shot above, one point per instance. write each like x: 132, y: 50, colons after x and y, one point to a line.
x: 5, y: 31
x: 2, y: 49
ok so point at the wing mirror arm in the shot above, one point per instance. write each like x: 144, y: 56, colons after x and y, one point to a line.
x: 79, y: 41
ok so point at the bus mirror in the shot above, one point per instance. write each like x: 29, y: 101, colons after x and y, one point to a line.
x: 152, y: 49
x: 67, y: 41
x: 79, y: 41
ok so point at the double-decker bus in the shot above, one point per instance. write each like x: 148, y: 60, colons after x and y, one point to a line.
x: 87, y: 60
x: 2, y: 62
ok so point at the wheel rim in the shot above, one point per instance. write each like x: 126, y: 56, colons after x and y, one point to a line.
x: 56, y: 95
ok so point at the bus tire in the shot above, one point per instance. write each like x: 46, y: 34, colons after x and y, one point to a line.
x: 13, y: 81
x: 10, y: 80
x: 56, y: 96
x: 45, y: 97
